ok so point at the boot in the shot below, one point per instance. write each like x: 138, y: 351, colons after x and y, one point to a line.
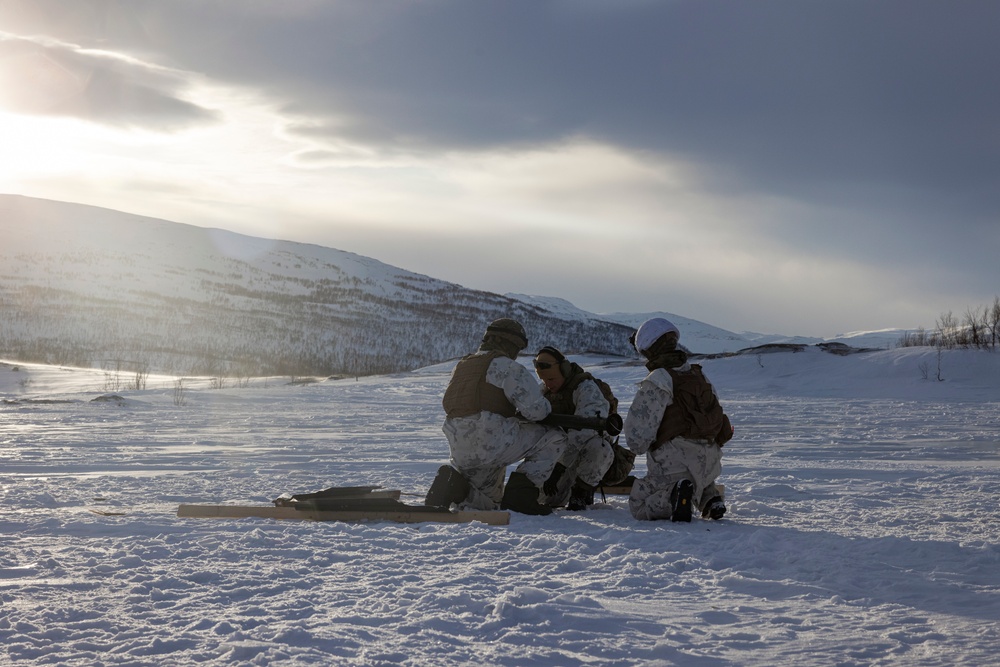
x: 714, y: 509
x: 521, y: 495
x: 680, y: 500
x: 581, y: 496
x: 448, y: 487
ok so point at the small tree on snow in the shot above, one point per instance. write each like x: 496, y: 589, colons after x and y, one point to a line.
x: 993, y: 321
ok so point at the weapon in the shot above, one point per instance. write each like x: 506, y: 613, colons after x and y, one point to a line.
x: 612, y: 424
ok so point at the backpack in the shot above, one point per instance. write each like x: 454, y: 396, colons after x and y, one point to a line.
x: 621, y: 466
x: 609, y: 395
x: 695, y: 412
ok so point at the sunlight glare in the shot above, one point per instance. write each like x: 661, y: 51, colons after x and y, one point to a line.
x: 36, y: 147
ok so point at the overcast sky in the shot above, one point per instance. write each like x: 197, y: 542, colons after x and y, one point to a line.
x: 807, y: 168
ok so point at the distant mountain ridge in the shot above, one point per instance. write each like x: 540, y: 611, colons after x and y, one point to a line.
x: 88, y: 286
x: 94, y: 287
x: 704, y: 338
x: 697, y: 336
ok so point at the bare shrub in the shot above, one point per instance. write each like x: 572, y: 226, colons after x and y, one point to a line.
x: 113, y: 375
x: 974, y: 326
x: 993, y: 322
x: 138, y: 382
x: 918, y: 338
x: 180, y: 397
x: 979, y: 328
x: 947, y: 327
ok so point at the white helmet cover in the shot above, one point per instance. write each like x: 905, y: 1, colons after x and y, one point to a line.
x: 651, y: 331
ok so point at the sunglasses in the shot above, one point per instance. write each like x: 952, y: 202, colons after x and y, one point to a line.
x: 544, y: 365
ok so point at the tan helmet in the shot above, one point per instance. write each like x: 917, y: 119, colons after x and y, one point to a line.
x: 510, y: 330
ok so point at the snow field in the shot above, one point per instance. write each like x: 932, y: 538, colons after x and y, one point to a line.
x: 862, y: 530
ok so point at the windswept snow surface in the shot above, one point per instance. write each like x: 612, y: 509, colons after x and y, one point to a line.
x: 862, y: 528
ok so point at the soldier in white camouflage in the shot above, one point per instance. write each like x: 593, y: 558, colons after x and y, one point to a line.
x: 489, y: 404
x: 675, y: 420
x: 588, y: 455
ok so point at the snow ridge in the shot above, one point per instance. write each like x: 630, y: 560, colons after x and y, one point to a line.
x: 92, y: 287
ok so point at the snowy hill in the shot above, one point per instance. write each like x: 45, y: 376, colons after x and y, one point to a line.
x: 92, y: 287
x: 87, y: 286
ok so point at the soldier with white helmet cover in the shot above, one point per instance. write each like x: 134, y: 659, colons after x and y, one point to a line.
x: 675, y: 420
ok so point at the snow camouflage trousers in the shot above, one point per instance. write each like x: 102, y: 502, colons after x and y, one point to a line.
x: 483, y: 445
x: 678, y: 459
x: 587, y: 457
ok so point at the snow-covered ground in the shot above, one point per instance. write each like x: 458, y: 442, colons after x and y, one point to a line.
x: 863, y: 528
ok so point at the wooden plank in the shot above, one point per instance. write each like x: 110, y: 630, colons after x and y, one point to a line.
x: 247, y: 511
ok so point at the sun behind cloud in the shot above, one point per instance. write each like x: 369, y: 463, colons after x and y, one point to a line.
x: 36, y: 148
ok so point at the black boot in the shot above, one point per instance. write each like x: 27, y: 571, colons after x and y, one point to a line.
x: 680, y: 500
x: 448, y: 487
x: 521, y: 495
x: 581, y: 496
x: 714, y: 509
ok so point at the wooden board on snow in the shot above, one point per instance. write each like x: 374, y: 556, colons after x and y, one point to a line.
x: 497, y: 518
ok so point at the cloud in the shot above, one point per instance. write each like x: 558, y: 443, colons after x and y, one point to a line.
x: 797, y: 99
x: 838, y: 149
x: 44, y: 77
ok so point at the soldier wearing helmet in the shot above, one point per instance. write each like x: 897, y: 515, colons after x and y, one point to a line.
x: 675, y: 420
x: 490, y: 404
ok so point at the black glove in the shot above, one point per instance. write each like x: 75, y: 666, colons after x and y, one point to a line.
x: 551, y: 485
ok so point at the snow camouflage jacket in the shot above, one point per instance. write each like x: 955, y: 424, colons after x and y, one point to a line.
x: 664, y: 409
x: 580, y: 395
x: 584, y: 395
